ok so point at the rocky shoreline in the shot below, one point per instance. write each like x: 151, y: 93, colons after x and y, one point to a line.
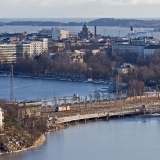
x: 41, y: 140
x: 15, y: 148
x: 29, y: 132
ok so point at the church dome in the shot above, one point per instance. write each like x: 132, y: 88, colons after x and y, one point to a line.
x: 85, y: 25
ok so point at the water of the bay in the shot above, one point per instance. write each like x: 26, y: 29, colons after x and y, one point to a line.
x: 35, y: 88
x: 122, y: 139
x: 103, y: 30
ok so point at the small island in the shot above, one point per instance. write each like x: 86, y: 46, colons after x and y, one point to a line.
x: 97, y: 22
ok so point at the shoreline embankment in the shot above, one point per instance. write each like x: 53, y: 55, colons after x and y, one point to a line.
x: 40, y: 141
x: 143, y: 105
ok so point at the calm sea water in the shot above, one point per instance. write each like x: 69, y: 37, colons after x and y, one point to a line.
x: 64, y: 19
x: 103, y: 30
x: 123, y: 139
x: 34, y: 89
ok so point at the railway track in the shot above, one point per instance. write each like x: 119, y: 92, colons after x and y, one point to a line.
x: 103, y: 106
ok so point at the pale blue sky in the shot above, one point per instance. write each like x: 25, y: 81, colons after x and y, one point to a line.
x: 79, y: 8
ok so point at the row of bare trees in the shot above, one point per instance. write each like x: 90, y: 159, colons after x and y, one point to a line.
x: 145, y: 69
x: 99, y: 66
x: 94, y: 66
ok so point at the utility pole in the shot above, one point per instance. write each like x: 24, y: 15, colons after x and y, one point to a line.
x: 54, y: 91
x: 117, y: 85
x: 140, y: 96
x: 121, y: 96
x: 134, y: 96
x: 126, y: 96
x: 157, y: 89
x: 12, y: 86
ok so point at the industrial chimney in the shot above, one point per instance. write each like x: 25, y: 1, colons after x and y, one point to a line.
x: 131, y: 28
x: 95, y: 31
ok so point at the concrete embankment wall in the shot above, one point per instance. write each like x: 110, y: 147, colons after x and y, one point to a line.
x: 89, y: 110
x: 79, y: 117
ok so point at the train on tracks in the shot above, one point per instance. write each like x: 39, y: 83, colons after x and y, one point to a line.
x: 62, y: 108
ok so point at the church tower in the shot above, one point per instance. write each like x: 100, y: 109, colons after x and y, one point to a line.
x: 85, y: 33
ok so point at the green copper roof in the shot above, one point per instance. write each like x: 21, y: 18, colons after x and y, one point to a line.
x: 85, y: 25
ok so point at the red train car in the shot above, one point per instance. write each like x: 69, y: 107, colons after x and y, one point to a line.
x: 62, y: 108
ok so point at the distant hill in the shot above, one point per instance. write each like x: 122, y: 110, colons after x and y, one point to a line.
x: 96, y: 22
x: 124, y: 22
x: 42, y: 23
x: 2, y: 24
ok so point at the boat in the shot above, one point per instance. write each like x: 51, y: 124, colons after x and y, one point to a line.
x: 63, y: 79
x: 102, y: 82
x: 155, y: 114
x: 85, y: 81
x: 90, y: 80
x: 97, y: 82
x: 141, y: 33
x: 5, y: 75
x: 106, y: 89
x: 75, y: 80
x: 80, y: 80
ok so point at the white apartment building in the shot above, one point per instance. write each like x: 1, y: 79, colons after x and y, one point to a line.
x: 127, y: 48
x: 1, y: 119
x: 10, y: 52
x: 38, y: 47
x: 59, y: 34
x: 150, y: 50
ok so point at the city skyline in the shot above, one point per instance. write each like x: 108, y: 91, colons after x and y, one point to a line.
x: 79, y: 9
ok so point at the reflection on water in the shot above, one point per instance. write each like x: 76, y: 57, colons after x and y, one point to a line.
x: 123, y: 139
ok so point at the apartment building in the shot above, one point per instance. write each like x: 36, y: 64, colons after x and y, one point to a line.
x: 58, y: 34
x: 10, y: 52
x: 151, y: 50
x: 38, y: 47
x: 128, y: 48
x: 1, y: 119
